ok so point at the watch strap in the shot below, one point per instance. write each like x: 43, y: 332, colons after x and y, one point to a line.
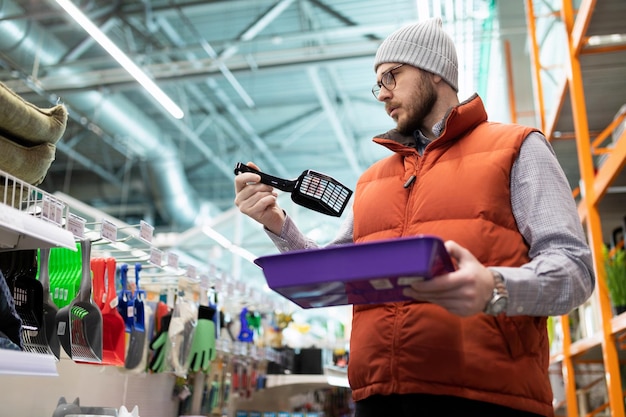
x: 499, y: 298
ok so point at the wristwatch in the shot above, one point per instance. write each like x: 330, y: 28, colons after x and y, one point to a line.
x: 500, y: 297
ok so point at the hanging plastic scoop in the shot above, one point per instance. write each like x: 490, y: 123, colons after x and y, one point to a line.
x: 138, y: 332
x: 85, y: 318
x: 28, y: 298
x: 105, y: 296
x: 312, y: 189
x: 49, y: 308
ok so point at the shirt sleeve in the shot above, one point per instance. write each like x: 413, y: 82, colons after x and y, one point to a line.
x: 291, y: 238
x: 560, y: 275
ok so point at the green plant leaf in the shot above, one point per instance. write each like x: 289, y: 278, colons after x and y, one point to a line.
x: 615, y: 268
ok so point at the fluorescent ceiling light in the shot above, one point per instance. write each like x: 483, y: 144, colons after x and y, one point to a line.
x: 227, y: 244
x: 245, y: 254
x: 216, y: 236
x: 122, y: 58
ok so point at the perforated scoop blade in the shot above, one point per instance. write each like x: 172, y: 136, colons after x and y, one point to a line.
x: 312, y: 189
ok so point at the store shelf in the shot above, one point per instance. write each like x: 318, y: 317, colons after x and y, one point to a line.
x: 282, y: 390
x: 30, y: 218
x: 14, y: 362
x: 590, y: 348
x: 20, y: 230
x: 311, y: 381
x: 274, y: 381
x: 332, y: 376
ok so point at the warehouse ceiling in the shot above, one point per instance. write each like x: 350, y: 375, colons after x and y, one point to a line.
x: 283, y: 83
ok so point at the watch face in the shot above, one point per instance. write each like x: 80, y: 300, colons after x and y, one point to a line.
x: 499, y: 305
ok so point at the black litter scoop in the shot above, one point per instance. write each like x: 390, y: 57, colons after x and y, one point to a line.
x: 312, y: 189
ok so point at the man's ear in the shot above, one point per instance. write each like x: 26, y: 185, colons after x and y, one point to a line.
x: 436, y: 78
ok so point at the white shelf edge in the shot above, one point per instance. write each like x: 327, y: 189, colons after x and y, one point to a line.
x: 294, y: 379
x: 19, y: 230
x: 13, y: 362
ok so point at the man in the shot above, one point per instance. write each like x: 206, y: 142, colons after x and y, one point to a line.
x: 476, y: 342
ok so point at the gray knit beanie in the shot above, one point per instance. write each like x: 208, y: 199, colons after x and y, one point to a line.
x: 424, y: 45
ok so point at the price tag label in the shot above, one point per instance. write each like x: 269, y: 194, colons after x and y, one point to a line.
x: 191, y: 272
x: 204, y: 282
x: 145, y: 231
x: 52, y: 210
x: 108, y: 231
x: 76, y: 225
x: 46, y: 209
x: 172, y: 260
x: 156, y: 257
x: 253, y: 294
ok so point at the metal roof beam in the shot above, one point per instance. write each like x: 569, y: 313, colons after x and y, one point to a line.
x: 248, y: 129
x: 187, y: 70
x: 345, y: 141
x: 257, y: 27
x: 222, y: 66
x: 89, y: 164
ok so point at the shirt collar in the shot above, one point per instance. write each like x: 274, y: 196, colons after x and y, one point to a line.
x: 422, y: 141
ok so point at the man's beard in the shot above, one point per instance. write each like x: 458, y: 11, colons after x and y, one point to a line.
x: 425, y: 99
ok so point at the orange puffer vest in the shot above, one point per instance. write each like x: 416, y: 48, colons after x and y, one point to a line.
x: 461, y: 192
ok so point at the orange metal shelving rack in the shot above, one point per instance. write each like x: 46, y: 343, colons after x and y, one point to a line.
x: 594, y: 186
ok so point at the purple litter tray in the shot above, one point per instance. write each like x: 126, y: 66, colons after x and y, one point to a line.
x: 365, y: 273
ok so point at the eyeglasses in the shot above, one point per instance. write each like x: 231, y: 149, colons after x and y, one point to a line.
x: 387, y: 80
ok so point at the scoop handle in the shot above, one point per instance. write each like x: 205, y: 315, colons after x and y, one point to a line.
x: 44, y: 270
x: 281, y: 184
x: 84, y: 292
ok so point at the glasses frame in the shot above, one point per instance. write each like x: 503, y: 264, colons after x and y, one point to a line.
x: 387, y: 80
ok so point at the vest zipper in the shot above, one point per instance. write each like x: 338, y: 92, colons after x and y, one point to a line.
x: 408, y: 186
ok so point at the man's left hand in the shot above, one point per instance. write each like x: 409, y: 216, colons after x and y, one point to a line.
x: 464, y: 292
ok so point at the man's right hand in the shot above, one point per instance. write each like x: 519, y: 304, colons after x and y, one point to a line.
x: 258, y: 200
